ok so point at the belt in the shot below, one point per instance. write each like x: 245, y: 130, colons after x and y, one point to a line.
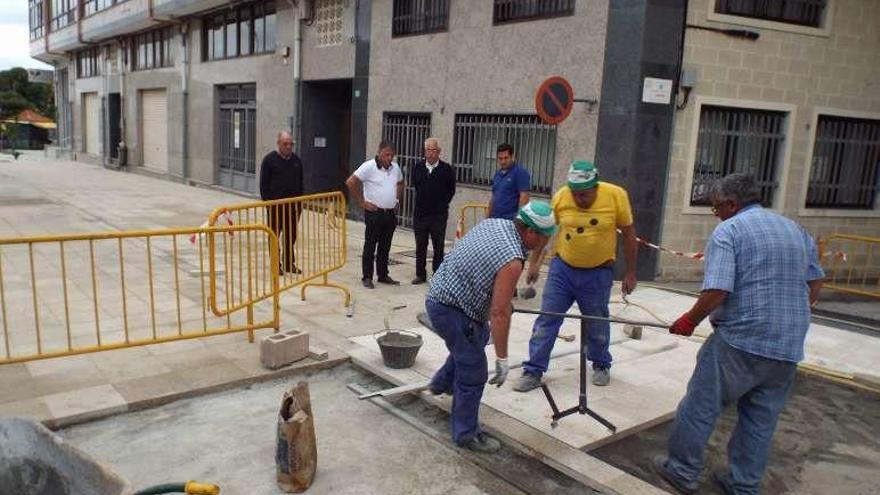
x: 607, y: 264
x: 385, y: 210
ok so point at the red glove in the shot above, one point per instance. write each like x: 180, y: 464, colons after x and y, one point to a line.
x: 683, y: 326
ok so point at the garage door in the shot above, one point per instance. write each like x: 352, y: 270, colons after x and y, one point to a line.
x: 154, y: 129
x: 92, y: 118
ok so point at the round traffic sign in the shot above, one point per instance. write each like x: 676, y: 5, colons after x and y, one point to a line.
x: 554, y: 100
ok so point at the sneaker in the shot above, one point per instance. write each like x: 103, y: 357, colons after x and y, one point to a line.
x: 601, y: 376
x: 482, y: 443
x: 419, y: 280
x: 659, y: 465
x: 527, y: 382
x: 368, y: 283
x: 388, y: 280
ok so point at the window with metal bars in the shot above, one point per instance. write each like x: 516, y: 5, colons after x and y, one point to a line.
x: 92, y: 6
x: 476, y: 139
x: 152, y: 49
x: 244, y: 30
x: 525, y: 10
x: 738, y: 140
x: 88, y: 63
x: 419, y: 17
x: 802, y: 12
x: 846, y: 163
x: 35, y: 18
x: 63, y: 13
x: 407, y: 132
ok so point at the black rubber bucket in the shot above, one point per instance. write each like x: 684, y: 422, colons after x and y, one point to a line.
x: 399, y: 348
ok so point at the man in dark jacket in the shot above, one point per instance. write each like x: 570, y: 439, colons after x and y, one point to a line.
x: 281, y: 176
x: 434, y: 183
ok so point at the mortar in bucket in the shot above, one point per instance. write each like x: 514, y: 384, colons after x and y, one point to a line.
x: 399, y: 348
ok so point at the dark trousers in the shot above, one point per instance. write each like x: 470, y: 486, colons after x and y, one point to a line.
x: 282, y: 220
x: 433, y: 227
x: 377, y: 242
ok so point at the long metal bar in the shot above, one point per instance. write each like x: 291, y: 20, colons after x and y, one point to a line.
x: 35, y: 299
x: 150, y: 278
x: 66, y: 301
x: 3, y: 309
x: 653, y: 324
x: 124, y: 295
x: 177, y: 283
x: 95, y: 291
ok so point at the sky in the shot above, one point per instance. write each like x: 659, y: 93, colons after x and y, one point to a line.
x: 14, y: 37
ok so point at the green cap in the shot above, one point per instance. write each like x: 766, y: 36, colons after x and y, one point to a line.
x: 582, y: 175
x: 538, y: 216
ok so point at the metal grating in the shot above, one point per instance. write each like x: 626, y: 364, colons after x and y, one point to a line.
x: 846, y: 163
x: 477, y: 138
x: 237, y: 135
x: 524, y: 10
x: 738, y: 140
x: 419, y: 16
x: 801, y: 12
x: 407, y: 132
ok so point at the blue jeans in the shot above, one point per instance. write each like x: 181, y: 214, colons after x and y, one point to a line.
x: 591, y: 288
x: 464, y: 374
x: 724, y: 375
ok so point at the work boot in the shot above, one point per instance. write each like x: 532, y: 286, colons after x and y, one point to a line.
x: 527, y: 382
x: 601, y: 376
x: 482, y: 443
x: 659, y: 465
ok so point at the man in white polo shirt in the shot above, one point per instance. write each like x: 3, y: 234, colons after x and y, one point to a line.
x: 377, y: 185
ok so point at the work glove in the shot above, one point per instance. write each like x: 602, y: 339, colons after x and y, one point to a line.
x: 683, y: 326
x: 501, y: 369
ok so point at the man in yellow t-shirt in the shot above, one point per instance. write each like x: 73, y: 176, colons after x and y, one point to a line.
x: 588, y: 212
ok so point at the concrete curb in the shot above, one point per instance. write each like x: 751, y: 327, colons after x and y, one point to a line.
x: 307, y: 365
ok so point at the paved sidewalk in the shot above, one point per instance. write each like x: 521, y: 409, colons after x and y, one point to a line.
x: 42, y: 197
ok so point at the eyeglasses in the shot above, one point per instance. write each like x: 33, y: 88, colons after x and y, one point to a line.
x: 432, y: 149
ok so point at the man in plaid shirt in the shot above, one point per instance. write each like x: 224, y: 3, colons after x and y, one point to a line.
x: 762, y: 275
x: 474, y: 285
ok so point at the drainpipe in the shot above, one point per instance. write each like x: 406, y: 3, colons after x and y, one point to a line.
x: 184, y: 94
x: 297, y: 74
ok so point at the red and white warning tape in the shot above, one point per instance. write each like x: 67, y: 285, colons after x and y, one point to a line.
x: 838, y: 254
x: 695, y: 256
x: 224, y: 216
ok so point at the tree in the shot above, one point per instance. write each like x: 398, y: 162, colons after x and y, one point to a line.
x: 11, y: 104
x: 38, y: 96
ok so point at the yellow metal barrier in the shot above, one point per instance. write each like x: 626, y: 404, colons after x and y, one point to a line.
x: 851, y: 264
x: 74, y: 294
x: 312, y: 238
x: 470, y: 215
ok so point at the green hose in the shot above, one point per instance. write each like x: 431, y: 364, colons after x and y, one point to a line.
x: 165, y: 488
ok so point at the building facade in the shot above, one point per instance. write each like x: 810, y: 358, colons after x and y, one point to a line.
x: 797, y: 103
x: 197, y: 89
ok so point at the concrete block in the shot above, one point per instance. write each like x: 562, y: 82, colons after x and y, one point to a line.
x: 284, y: 348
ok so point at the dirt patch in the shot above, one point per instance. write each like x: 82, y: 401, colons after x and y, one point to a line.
x: 826, y: 442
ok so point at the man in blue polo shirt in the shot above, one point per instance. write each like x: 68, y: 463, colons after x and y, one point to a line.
x: 510, y: 187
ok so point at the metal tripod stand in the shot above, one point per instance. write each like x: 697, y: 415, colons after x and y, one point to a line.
x: 581, y: 407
